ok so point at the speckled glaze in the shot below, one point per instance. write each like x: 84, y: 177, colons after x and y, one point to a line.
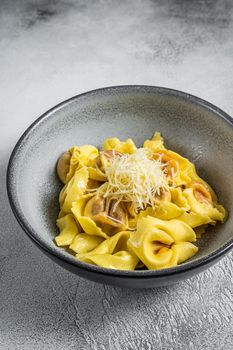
x: 190, y: 126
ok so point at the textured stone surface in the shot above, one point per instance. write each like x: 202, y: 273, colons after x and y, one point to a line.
x: 51, y: 50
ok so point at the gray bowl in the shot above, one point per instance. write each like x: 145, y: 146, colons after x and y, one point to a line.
x: 193, y: 127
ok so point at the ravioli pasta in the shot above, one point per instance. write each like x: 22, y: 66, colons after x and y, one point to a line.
x: 130, y: 208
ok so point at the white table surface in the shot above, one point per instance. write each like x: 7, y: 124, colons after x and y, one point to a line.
x: 49, y: 51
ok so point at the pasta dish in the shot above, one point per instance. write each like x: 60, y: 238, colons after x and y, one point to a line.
x: 130, y: 208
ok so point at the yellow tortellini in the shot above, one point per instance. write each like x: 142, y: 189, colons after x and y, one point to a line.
x: 178, y: 198
x: 89, y: 226
x: 112, y: 253
x: 195, y: 219
x: 205, y: 208
x: 84, y: 243
x: 73, y: 190
x: 79, y: 204
x: 96, y: 174
x: 123, y: 260
x: 152, y: 223
x: 113, y: 244
x: 127, y: 146
x: 156, y: 143
x: 68, y: 230
x: 158, y: 243
x: 178, y: 170
x: 81, y: 156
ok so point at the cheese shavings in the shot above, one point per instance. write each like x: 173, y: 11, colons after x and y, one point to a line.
x: 134, y: 178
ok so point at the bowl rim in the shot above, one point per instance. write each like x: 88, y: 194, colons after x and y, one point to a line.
x: 58, y: 253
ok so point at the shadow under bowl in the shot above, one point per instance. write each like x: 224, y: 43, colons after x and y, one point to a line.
x: 190, y: 126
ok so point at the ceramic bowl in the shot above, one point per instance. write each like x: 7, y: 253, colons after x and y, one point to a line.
x: 191, y: 126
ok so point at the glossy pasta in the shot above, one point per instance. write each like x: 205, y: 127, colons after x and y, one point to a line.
x: 132, y: 208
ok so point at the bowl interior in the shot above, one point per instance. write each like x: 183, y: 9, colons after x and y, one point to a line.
x: 188, y: 125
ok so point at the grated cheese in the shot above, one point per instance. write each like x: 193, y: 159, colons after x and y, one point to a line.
x: 134, y: 178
